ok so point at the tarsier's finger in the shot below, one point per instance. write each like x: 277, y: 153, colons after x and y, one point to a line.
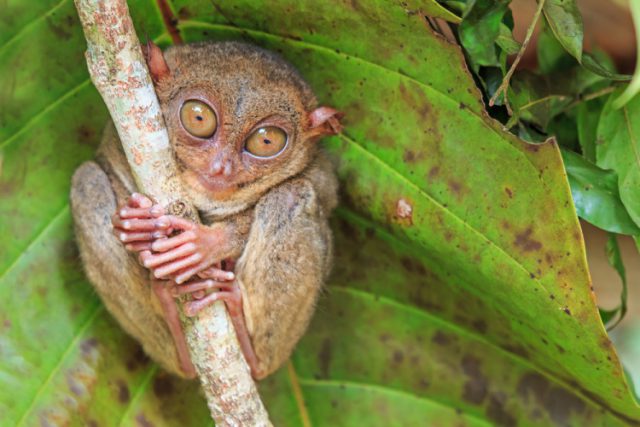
x: 198, y: 294
x: 156, y: 211
x: 180, y: 223
x: 126, y: 212
x: 138, y: 224
x: 137, y: 200
x: 138, y: 246
x: 200, y: 285
x: 188, y: 273
x: 216, y: 274
x: 171, y: 268
x: 143, y: 255
x: 134, y: 237
x: 192, y: 308
x: 173, y: 242
x: 178, y: 253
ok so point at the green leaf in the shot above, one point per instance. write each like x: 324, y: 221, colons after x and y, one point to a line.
x: 594, y: 65
x: 431, y: 8
x: 552, y: 57
x: 537, y: 99
x: 506, y: 41
x: 479, y: 30
x: 565, y: 20
x: 634, y: 87
x: 596, y: 197
x: 588, y: 115
x: 618, y: 149
x: 471, y: 308
x: 615, y: 260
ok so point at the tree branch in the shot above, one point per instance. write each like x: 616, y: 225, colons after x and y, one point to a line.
x: 119, y: 72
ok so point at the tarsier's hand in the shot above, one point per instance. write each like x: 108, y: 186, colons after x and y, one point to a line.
x: 196, y: 248
x: 210, y: 285
x: 142, y: 227
x: 137, y: 223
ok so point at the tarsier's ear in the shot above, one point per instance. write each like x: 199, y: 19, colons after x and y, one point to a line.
x: 324, y: 121
x: 155, y: 61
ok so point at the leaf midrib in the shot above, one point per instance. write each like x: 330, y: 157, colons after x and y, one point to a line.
x: 339, y: 384
x: 35, y: 239
x: 63, y: 357
x: 452, y: 214
x: 27, y: 26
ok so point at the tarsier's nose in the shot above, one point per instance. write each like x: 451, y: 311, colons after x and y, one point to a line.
x: 221, y: 166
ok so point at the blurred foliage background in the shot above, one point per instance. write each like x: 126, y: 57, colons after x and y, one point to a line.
x: 461, y: 295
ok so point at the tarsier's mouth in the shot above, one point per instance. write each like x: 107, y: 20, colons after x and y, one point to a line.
x: 216, y: 183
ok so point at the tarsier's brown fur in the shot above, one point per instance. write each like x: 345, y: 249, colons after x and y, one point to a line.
x: 277, y: 211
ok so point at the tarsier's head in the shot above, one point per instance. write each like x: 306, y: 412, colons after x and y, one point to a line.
x: 240, y: 118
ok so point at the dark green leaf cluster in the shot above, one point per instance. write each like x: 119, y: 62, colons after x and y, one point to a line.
x: 570, y: 96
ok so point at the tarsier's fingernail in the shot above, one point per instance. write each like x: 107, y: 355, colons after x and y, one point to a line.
x: 156, y: 210
x: 230, y: 275
x: 162, y: 223
x: 122, y: 236
x: 123, y: 212
x: 157, y: 234
x: 126, y: 225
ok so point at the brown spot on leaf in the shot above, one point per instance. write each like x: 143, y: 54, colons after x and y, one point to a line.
x: 123, y: 392
x: 142, y: 421
x: 509, y: 192
x: 138, y: 359
x: 532, y: 386
x: 433, y: 173
x: 455, y: 187
x: 398, y: 356
x: 163, y: 386
x: 560, y: 404
x: 480, y: 325
x: 497, y: 412
x: 525, y: 242
x: 60, y: 29
x: 412, y: 265
x: 409, y: 156
x: 89, y: 345
x: 475, y: 388
x: 440, y: 338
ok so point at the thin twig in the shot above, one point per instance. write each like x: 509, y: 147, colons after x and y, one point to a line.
x: 504, y: 86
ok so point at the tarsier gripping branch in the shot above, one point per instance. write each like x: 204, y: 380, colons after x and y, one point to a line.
x: 244, y: 128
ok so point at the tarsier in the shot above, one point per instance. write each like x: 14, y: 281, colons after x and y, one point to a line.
x: 244, y: 128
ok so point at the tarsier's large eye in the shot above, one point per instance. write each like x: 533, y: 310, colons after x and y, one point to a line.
x: 266, y: 141
x: 198, y: 119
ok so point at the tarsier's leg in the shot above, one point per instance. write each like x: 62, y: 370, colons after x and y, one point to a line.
x: 281, y: 271
x: 230, y: 293
x: 121, y: 282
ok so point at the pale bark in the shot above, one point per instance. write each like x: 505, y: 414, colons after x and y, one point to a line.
x: 119, y: 71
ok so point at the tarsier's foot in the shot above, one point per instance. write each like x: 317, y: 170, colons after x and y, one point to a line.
x: 211, y: 287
